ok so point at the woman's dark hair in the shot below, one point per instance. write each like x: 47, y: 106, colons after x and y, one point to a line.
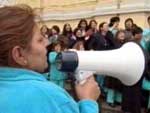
x: 66, y: 32
x: 83, y: 20
x: 137, y: 30
x: 62, y: 40
x: 90, y: 23
x: 48, y: 31
x: 17, y: 25
x: 75, y: 31
x: 101, y: 25
x: 129, y: 19
x: 118, y: 32
x: 56, y: 28
x: 44, y: 26
x: 148, y: 18
x: 113, y: 20
x: 77, y: 45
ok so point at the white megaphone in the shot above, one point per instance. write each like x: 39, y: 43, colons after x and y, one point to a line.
x: 126, y: 63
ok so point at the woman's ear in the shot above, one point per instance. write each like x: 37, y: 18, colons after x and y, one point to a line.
x: 18, y: 55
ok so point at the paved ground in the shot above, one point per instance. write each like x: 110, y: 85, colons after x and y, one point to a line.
x: 105, y: 108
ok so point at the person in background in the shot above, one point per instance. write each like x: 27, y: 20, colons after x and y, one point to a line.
x: 114, y: 25
x: 146, y: 81
x: 64, y: 42
x: 128, y: 28
x: 55, y: 33
x: 56, y: 76
x: 145, y: 42
x: 23, y: 57
x: 79, y: 46
x: 67, y: 32
x: 147, y: 30
x: 83, y: 25
x: 129, y: 24
x: 131, y: 101
x: 114, y: 86
x: 77, y: 36
x: 146, y: 89
x: 92, y: 28
x: 137, y: 35
x: 120, y: 38
x: 103, y: 39
x: 45, y: 31
x: 146, y: 76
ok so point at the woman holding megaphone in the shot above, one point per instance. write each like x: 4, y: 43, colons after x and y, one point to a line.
x: 23, y: 56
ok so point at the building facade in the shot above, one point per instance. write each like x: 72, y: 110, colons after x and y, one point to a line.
x: 71, y: 11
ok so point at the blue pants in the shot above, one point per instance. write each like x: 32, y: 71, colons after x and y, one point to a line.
x: 113, y: 96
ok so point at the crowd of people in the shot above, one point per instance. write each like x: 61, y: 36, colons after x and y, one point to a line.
x: 28, y: 51
x: 104, y: 36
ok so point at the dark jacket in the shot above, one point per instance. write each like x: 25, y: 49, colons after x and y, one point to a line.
x: 100, y: 42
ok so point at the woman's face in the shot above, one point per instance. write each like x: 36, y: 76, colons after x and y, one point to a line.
x: 81, y: 47
x: 121, y: 36
x: 36, y: 53
x: 93, y: 25
x: 54, y: 31
x: 116, y: 24
x: 83, y: 24
x: 68, y: 27
x: 79, y: 33
x: 105, y: 27
x: 128, y: 24
x: 138, y: 37
x: 44, y: 29
x: 57, y: 48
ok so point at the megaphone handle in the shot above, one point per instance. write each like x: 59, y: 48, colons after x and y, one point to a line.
x: 81, y: 76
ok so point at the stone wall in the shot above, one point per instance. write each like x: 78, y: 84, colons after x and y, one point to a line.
x: 71, y: 11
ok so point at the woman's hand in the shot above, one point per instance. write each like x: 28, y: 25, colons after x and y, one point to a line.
x: 88, y: 90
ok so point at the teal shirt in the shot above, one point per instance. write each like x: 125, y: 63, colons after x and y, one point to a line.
x: 114, y: 31
x: 55, y: 74
x: 145, y: 42
x: 25, y: 91
x: 146, y: 32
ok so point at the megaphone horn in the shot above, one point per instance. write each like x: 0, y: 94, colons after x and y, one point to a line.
x: 126, y: 63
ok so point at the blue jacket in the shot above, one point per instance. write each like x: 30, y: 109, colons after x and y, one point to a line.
x: 25, y: 91
x: 55, y: 74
